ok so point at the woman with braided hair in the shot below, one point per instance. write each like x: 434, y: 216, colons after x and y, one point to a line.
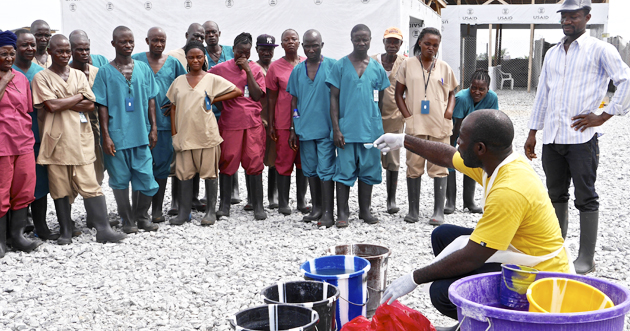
x: 477, y: 96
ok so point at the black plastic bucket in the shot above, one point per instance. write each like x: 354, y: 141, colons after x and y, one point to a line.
x: 319, y: 296
x: 275, y: 318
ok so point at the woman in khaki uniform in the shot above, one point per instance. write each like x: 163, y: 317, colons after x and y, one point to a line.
x: 429, y: 84
x: 195, y: 131
x: 392, y: 118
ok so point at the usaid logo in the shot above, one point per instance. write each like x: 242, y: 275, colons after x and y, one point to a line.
x: 506, y: 11
x: 365, y: 1
x: 318, y: 2
x: 73, y: 7
x: 148, y: 5
x: 541, y: 10
x: 470, y: 11
x: 188, y: 4
x: 273, y: 3
x: 416, y: 33
x: 229, y: 3
x: 109, y: 6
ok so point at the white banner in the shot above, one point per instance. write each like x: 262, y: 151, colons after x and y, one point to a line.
x: 333, y: 18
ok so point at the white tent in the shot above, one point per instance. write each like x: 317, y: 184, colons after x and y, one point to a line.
x: 333, y: 18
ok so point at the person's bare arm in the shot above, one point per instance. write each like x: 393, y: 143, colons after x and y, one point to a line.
x: 153, y: 137
x: 57, y: 105
x: 235, y: 93
x: 84, y: 106
x: 381, y: 95
x: 338, y: 138
x: 460, y: 262
x: 293, y: 140
x: 448, y: 114
x: 435, y: 152
x: 457, y: 124
x: 272, y: 99
x: 4, y: 82
x: 173, y: 127
x: 400, y: 100
x: 255, y: 92
x: 108, y: 144
x: 530, y: 145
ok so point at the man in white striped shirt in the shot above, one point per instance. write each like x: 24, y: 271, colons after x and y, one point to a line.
x: 572, y: 84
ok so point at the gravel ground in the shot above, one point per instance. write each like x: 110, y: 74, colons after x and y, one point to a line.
x: 193, y: 277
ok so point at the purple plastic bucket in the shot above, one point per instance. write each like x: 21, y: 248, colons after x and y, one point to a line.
x: 477, y: 299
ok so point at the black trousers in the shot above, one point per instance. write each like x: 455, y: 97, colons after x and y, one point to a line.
x: 578, y: 162
x: 441, y: 237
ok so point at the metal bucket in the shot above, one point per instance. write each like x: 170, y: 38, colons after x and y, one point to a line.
x: 377, y: 276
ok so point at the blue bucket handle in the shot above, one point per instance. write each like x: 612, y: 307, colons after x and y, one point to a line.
x: 356, y: 304
x: 463, y: 319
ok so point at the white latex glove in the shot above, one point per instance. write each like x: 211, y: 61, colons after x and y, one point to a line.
x: 401, y: 286
x: 390, y: 142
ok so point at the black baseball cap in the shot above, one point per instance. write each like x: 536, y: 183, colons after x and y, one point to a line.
x: 266, y: 40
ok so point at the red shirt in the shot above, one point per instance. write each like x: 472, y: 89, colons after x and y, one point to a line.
x: 16, y: 136
x: 242, y: 112
x: 277, y: 79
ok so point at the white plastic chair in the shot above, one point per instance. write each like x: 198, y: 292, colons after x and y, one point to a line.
x: 506, y: 77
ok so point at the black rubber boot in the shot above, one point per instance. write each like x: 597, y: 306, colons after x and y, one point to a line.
x: 124, y: 211
x: 141, y: 212
x: 272, y: 188
x: 343, y: 210
x: 96, y: 208
x: 316, y: 199
x: 185, y: 199
x: 225, y: 185
x: 156, y: 202
x: 451, y: 193
x: 562, y: 212
x: 211, y: 202
x: 174, y: 195
x: 39, y: 209
x: 250, y: 204
x: 365, y: 203
x: 257, y: 197
x: 236, y: 194
x: 469, y: 196
x: 585, y: 262
x: 328, y: 203
x: 62, y: 206
x: 413, y: 193
x: 391, y: 180
x: 196, y: 204
x: 301, y: 185
x: 284, y: 184
x: 439, y: 195
x: 18, y: 223
x: 3, y: 235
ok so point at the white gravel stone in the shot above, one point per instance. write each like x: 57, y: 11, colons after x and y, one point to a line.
x: 193, y: 278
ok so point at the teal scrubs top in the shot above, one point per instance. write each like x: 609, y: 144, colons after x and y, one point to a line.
x: 35, y: 68
x: 127, y: 129
x: 360, y: 119
x: 171, y: 69
x: 99, y: 60
x: 227, y: 53
x: 313, y: 100
x: 464, y: 104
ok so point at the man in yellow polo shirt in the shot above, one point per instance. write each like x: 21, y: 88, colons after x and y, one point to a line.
x: 518, y: 225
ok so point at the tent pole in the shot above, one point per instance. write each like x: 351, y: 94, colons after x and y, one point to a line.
x: 531, y: 53
x: 489, y: 46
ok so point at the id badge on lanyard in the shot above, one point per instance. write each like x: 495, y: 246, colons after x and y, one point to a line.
x: 425, y: 104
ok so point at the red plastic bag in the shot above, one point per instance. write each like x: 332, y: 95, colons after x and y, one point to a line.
x: 394, y: 317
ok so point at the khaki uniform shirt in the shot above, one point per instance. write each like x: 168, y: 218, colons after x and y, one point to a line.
x: 196, y: 126
x: 392, y: 117
x: 65, y: 139
x: 93, y: 71
x: 180, y: 55
x: 442, y: 81
x: 43, y: 65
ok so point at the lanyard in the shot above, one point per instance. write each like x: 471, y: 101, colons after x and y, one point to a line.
x: 320, y: 64
x: 426, y: 83
x: 133, y: 64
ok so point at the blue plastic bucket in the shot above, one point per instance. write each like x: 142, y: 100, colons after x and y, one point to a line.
x: 352, y: 285
x: 477, y: 301
x: 515, y: 281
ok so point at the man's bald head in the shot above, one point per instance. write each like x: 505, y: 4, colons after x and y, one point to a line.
x: 491, y: 127
x: 58, y: 40
x: 312, y: 35
x: 77, y: 33
x: 59, y: 50
x: 156, y: 32
x: 39, y: 24
x: 195, y: 33
x: 78, y: 38
x: 119, y: 30
x: 211, y: 24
